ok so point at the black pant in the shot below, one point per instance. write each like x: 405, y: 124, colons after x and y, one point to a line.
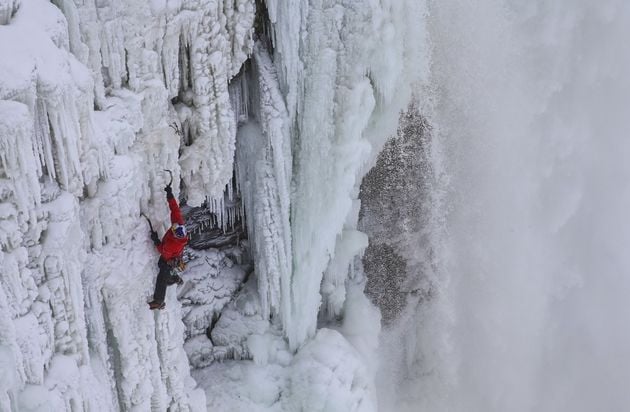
x: 164, y: 279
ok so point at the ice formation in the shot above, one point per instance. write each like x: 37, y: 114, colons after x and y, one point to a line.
x: 264, y: 173
x: 272, y: 131
x: 348, y: 93
x: 76, y: 265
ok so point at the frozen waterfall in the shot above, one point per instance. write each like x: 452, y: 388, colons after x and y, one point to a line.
x: 268, y: 115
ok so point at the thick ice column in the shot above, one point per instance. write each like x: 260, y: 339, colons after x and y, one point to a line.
x: 288, y: 19
x: 207, y: 162
x: 348, y: 101
x: 264, y: 170
x: 131, y: 338
x: 350, y: 243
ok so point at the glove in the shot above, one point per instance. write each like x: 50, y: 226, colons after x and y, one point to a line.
x: 169, y: 192
x: 155, y: 238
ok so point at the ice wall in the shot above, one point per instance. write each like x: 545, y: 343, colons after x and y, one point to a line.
x: 99, y: 97
x: 186, y: 51
x: 344, y: 68
x: 528, y: 104
x: 91, y: 96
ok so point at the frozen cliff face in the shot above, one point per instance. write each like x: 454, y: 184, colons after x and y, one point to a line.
x: 96, y: 100
x: 85, y: 109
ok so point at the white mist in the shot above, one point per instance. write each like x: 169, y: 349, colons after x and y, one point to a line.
x: 530, y: 104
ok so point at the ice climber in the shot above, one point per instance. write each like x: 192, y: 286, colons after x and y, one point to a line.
x: 171, y: 249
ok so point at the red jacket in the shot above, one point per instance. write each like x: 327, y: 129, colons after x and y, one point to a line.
x: 171, y: 246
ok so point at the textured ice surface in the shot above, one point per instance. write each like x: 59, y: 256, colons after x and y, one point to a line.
x: 264, y: 165
x: 77, y: 266
x: 96, y: 99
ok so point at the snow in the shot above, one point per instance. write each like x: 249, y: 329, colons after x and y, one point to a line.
x: 327, y: 375
x: 214, y: 280
x: 242, y: 386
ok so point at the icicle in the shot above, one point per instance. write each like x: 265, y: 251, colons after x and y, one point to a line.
x: 42, y: 136
x: 349, y: 244
x: 17, y: 157
x: 8, y: 10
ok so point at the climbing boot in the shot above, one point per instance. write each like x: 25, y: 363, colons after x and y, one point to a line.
x: 156, y: 305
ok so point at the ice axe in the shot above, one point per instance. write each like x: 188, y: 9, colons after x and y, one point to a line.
x: 154, y: 236
x: 148, y: 220
x: 171, y: 174
x: 175, y: 127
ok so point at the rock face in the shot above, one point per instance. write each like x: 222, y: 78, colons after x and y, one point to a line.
x: 394, y: 214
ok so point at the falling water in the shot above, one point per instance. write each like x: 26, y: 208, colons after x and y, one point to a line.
x: 529, y: 104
